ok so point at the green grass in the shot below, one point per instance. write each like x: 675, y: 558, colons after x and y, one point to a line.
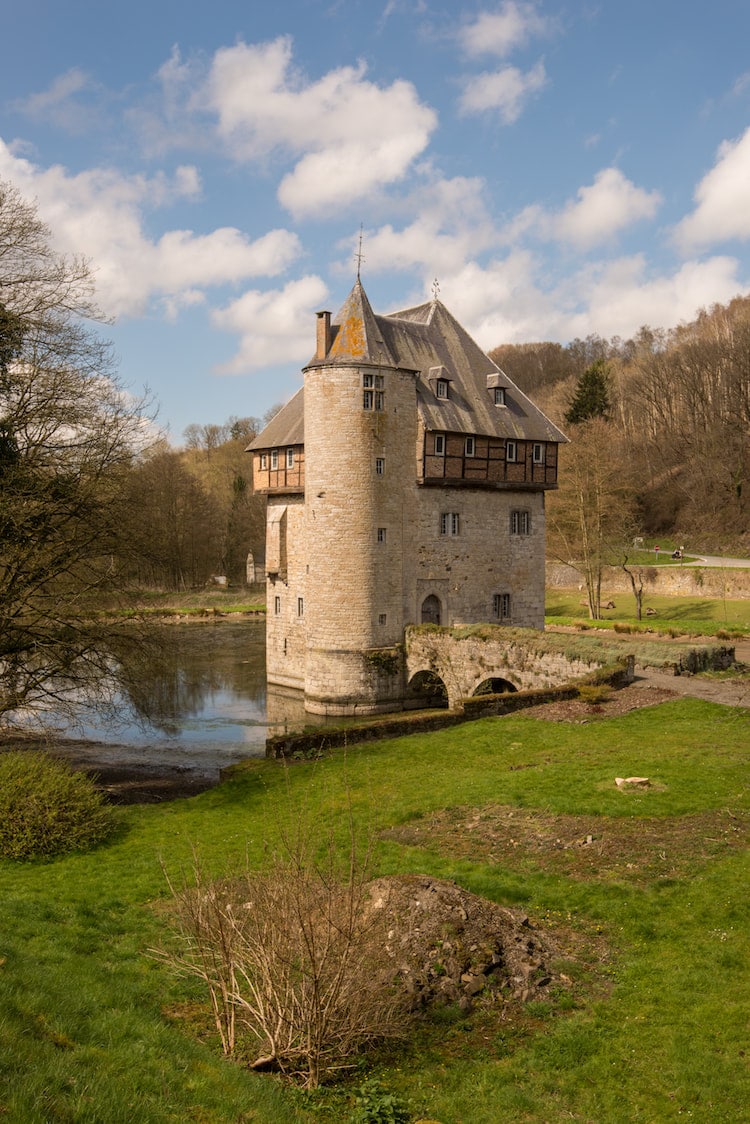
x: 693, y: 616
x: 655, y: 1032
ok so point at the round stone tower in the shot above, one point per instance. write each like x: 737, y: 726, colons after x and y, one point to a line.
x: 360, y: 441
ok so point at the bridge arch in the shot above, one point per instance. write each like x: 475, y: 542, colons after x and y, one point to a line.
x: 494, y: 685
x: 426, y: 689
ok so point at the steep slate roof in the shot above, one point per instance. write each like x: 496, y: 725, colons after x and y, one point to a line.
x: 285, y: 428
x: 429, y: 336
x: 428, y: 340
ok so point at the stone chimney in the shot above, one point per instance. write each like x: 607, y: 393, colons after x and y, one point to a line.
x: 323, y: 335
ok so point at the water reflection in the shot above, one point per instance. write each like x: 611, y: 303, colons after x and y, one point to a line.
x: 203, y: 686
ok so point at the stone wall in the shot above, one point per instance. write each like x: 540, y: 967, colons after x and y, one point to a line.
x: 668, y: 581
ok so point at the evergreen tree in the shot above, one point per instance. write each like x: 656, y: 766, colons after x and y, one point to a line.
x: 591, y: 397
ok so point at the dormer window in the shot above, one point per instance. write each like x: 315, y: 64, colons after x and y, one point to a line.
x: 441, y: 388
x: 499, y: 392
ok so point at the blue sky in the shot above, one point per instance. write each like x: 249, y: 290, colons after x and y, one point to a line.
x: 561, y: 168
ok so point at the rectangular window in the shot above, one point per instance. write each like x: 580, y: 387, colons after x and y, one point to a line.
x: 368, y: 380
x: 381, y: 534
x: 368, y: 399
x: 449, y: 523
x: 470, y: 446
x: 380, y: 466
x: 499, y: 395
x: 263, y: 461
x: 511, y: 451
x: 274, y: 459
x: 300, y: 606
x: 439, y: 444
x: 290, y: 458
x: 379, y: 400
x: 501, y: 606
x: 537, y: 454
x: 520, y: 522
x: 382, y: 618
x: 441, y: 388
x: 277, y: 605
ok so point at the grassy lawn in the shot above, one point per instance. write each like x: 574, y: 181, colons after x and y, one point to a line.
x: 694, y: 616
x: 653, y: 1025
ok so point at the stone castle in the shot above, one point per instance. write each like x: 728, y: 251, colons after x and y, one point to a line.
x: 405, y: 484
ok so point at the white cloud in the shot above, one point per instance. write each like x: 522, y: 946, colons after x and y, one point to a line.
x: 275, y: 327
x: 599, y: 211
x: 63, y: 104
x: 351, y: 136
x: 509, y: 300
x: 500, y: 32
x: 99, y: 214
x: 611, y: 203
x: 505, y: 90
x: 620, y: 297
x: 451, y: 225
x: 723, y: 200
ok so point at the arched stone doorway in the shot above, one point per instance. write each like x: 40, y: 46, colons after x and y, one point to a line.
x: 495, y: 686
x: 431, y: 610
x: 426, y: 689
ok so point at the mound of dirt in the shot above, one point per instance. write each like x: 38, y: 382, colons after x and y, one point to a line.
x: 449, y: 946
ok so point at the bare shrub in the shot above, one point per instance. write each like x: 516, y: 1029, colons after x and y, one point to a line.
x: 295, y: 964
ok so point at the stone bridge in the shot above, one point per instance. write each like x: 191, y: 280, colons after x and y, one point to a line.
x: 463, y: 662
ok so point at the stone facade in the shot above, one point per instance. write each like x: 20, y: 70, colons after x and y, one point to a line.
x: 402, y: 487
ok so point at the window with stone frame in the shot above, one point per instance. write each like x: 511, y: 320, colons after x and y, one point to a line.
x: 380, y: 466
x: 501, y: 606
x: 450, y: 523
x: 520, y: 522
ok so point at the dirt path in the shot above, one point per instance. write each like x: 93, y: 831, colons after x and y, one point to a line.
x: 730, y: 692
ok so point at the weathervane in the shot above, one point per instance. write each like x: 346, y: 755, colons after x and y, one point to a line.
x: 359, y: 255
x: 435, y: 289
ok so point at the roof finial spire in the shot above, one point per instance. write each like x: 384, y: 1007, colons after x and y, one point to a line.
x: 435, y: 289
x: 359, y: 255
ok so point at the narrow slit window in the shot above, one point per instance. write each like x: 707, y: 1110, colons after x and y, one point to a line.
x: 300, y: 606
x: 380, y: 466
x: 277, y: 605
x: 382, y: 534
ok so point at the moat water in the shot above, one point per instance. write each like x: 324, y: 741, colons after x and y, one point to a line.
x: 208, y: 703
